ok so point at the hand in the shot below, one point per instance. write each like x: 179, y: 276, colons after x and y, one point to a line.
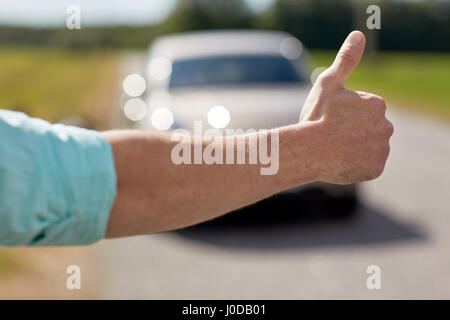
x: 353, y: 130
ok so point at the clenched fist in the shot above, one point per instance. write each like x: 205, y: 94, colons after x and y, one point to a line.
x: 352, y: 124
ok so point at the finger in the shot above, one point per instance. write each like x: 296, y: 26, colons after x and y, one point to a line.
x: 348, y: 56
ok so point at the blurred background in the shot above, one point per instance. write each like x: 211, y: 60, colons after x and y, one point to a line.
x: 279, y: 248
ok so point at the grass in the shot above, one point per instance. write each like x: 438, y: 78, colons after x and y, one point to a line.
x: 54, y: 83
x: 419, y: 81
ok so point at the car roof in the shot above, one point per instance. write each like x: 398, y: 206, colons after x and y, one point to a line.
x: 216, y: 43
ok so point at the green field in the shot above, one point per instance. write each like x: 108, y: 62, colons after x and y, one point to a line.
x: 54, y: 84
x: 419, y: 81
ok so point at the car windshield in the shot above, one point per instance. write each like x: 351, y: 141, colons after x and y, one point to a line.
x: 232, y: 70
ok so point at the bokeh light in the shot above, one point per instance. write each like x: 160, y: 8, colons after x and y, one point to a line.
x: 218, y: 117
x: 316, y: 73
x: 291, y: 48
x: 134, y: 85
x: 135, y: 109
x: 160, y: 68
x: 162, y: 119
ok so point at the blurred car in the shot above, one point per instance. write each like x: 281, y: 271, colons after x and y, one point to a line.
x: 261, y: 78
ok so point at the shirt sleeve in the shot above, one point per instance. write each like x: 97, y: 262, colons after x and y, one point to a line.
x: 57, y: 183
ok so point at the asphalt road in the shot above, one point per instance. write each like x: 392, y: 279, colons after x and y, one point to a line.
x: 402, y: 225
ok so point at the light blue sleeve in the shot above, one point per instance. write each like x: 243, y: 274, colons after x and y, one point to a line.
x: 57, y: 183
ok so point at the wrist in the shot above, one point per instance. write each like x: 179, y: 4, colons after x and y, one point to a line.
x: 301, y: 149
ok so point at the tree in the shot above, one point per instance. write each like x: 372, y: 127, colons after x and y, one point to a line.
x: 191, y: 15
x: 317, y: 23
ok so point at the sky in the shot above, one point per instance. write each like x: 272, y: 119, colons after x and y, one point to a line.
x: 52, y: 13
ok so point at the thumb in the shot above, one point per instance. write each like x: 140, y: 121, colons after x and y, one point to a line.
x: 349, y: 55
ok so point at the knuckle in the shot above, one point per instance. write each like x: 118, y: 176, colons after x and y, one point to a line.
x: 378, y: 102
x: 385, y: 151
x: 386, y: 129
x: 389, y: 128
x: 376, y: 170
x: 382, y: 105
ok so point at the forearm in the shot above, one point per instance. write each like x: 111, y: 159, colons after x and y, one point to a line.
x: 154, y: 194
x: 63, y: 185
x: 342, y: 137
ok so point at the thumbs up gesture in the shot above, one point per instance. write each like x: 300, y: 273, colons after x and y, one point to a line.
x: 353, y: 130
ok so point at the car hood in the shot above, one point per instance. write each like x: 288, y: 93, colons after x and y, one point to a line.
x: 261, y: 107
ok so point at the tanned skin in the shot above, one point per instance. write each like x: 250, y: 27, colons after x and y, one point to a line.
x: 342, y: 137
